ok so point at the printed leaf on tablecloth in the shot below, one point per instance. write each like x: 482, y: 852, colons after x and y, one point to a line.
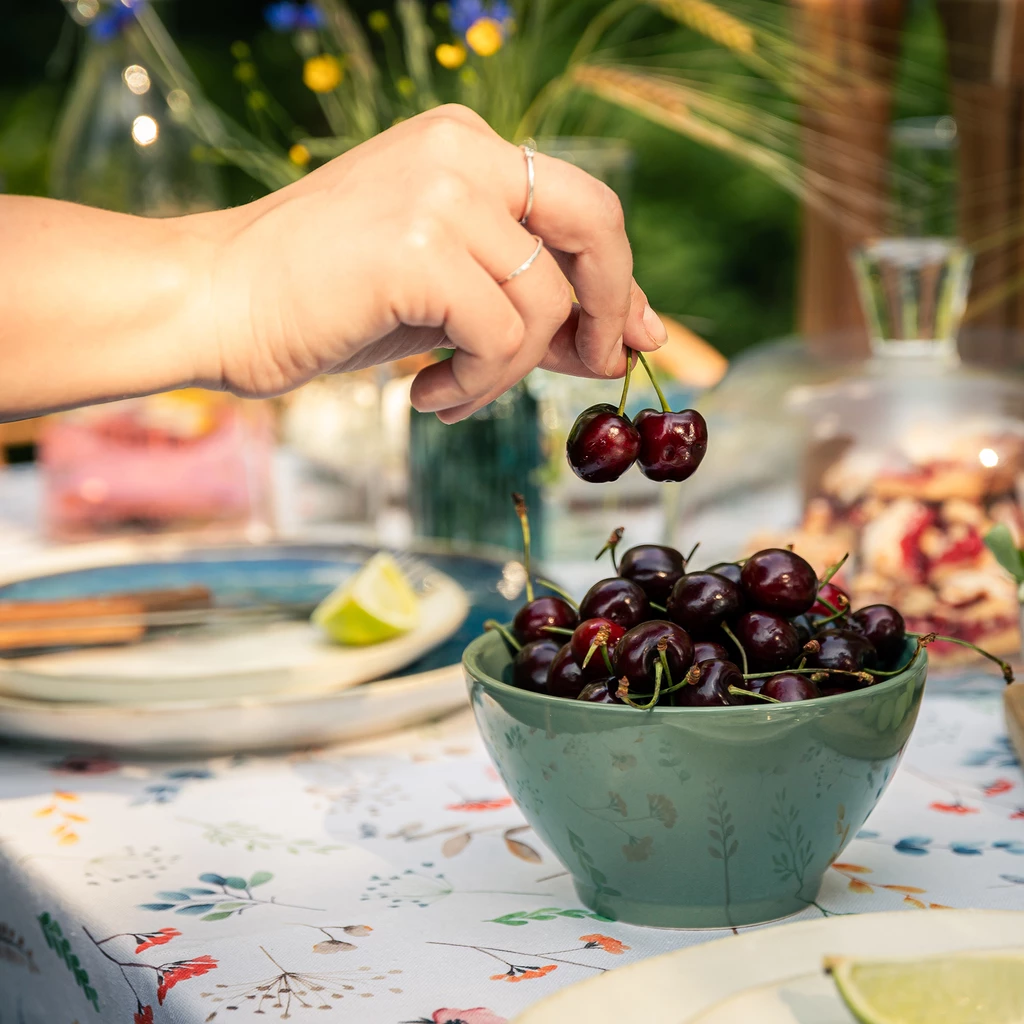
x: 59, y: 944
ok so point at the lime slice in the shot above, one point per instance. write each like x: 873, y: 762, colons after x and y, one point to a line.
x: 960, y: 988
x: 374, y: 605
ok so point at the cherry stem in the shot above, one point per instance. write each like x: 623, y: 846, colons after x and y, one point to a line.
x: 738, y: 691
x: 928, y: 638
x: 524, y: 522
x: 829, y: 605
x: 610, y: 545
x: 663, y: 658
x: 548, y: 585
x: 896, y: 671
x: 504, y: 633
x: 561, y: 630
x: 832, y: 617
x: 625, y: 383
x: 665, y: 407
x: 833, y: 570
x: 690, y: 679
x: 607, y: 660
x: 743, y: 654
x: 657, y: 607
x: 600, y: 640
x: 693, y: 551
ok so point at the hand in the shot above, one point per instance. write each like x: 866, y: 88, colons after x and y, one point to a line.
x: 398, y: 247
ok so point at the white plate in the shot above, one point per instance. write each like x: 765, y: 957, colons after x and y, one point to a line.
x: 274, y: 658
x: 199, y: 728
x: 772, y: 975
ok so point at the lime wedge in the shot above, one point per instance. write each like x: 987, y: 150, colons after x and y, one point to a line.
x: 961, y: 988
x: 374, y: 605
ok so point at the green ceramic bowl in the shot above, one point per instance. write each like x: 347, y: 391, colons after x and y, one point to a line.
x: 693, y: 817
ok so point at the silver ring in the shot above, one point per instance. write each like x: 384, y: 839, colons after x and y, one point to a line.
x: 527, y: 263
x: 529, y: 152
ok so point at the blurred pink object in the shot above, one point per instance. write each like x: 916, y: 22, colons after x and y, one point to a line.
x: 185, y: 460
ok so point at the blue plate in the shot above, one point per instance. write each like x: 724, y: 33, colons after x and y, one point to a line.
x: 242, y: 575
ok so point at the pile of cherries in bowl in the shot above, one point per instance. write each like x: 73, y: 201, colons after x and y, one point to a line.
x: 766, y: 630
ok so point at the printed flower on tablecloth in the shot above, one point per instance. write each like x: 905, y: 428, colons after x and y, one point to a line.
x: 143, y: 1015
x: 169, y: 975
x: 956, y: 808
x: 516, y: 973
x: 608, y: 944
x: 998, y: 787
x: 478, y: 1015
x: 497, y: 804
x: 147, y: 940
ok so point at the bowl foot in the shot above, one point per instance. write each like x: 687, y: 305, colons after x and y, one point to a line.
x: 663, y: 914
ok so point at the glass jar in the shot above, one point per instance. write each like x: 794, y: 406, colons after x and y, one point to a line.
x: 462, y: 475
x: 904, y: 461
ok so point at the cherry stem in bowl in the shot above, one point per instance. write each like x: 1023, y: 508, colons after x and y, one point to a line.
x: 625, y: 383
x: 928, y: 638
x: 548, y: 585
x: 743, y: 654
x: 610, y: 545
x: 657, y: 607
x: 693, y: 551
x: 832, y: 570
x: 738, y: 691
x: 505, y: 634
x: 560, y: 630
x: 524, y: 522
x: 657, y: 692
x: 665, y: 407
x: 836, y: 614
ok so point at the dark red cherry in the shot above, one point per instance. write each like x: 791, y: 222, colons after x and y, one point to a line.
x: 564, y: 676
x: 618, y: 599
x: 787, y: 687
x: 712, y: 686
x: 769, y: 640
x: 777, y: 580
x: 836, y: 597
x: 730, y: 570
x: 672, y: 444
x: 884, y: 628
x: 701, y: 601
x: 602, y: 632
x: 602, y: 445
x: 531, y: 619
x: 653, y: 567
x: 531, y: 663
x: 636, y: 654
x: 845, y: 651
x: 708, y: 650
x: 604, y: 691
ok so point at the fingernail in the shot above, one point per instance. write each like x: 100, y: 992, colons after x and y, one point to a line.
x: 655, y: 329
x: 612, y: 367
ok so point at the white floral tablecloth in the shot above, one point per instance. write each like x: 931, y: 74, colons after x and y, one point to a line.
x: 395, y: 881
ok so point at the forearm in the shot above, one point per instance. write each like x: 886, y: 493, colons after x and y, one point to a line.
x: 96, y: 306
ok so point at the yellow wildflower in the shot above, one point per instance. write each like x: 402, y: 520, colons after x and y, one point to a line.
x: 468, y: 76
x: 406, y: 86
x: 323, y: 73
x: 378, y: 21
x: 451, y: 55
x: 257, y: 100
x: 299, y: 155
x: 484, y: 37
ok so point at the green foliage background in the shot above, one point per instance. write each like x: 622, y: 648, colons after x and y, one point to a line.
x: 715, y: 242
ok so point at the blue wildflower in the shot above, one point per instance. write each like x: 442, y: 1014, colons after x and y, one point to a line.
x: 466, y: 13
x: 292, y: 17
x: 109, y: 23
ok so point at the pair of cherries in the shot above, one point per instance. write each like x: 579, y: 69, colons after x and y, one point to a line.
x: 666, y: 445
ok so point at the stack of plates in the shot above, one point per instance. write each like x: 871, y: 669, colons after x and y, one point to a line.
x: 267, y: 684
